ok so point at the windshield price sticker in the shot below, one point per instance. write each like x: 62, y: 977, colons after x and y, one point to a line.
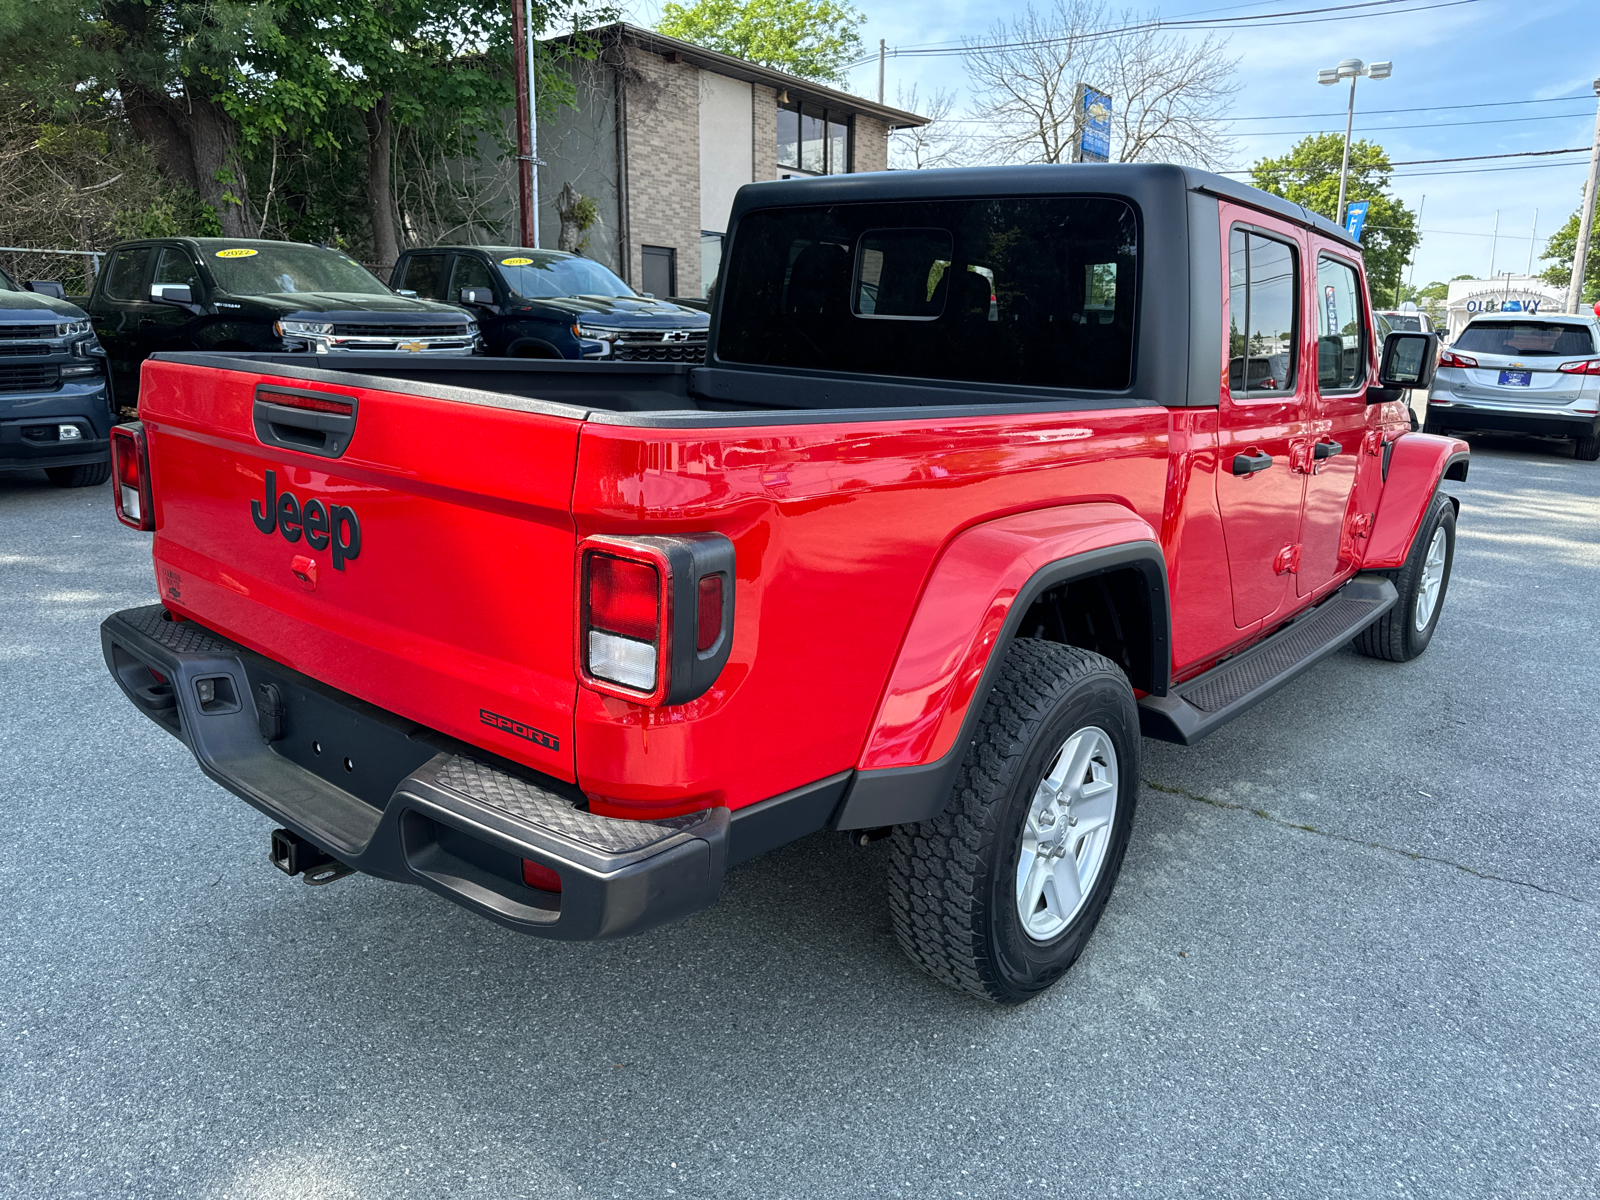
x: 516, y: 262
x: 239, y: 253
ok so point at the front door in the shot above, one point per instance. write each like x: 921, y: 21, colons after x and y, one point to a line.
x: 164, y: 326
x: 1262, y: 418
x: 1338, y: 421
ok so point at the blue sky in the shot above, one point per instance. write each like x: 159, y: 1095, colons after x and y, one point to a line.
x: 1480, y: 52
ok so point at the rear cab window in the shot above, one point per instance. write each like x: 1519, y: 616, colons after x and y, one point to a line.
x: 1030, y: 291
x: 1526, y: 339
x: 1340, y: 328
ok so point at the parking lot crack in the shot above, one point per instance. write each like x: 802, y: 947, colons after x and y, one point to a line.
x: 1413, y: 855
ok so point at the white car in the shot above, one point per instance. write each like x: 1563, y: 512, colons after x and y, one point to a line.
x: 1521, y: 374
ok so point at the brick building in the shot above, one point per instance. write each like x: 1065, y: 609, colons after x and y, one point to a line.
x: 661, y: 134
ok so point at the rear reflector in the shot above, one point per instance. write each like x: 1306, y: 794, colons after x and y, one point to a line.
x: 622, y: 660
x: 709, y: 623
x: 341, y: 408
x: 624, y: 597
x: 537, y: 875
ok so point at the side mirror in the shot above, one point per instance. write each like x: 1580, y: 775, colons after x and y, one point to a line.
x: 408, y: 293
x: 172, y: 293
x: 1408, y: 361
x: 47, y: 287
x: 479, y: 296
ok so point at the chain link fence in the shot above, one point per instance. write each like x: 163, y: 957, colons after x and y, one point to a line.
x: 74, y: 270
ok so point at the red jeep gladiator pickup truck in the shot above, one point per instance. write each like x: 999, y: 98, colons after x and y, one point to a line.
x: 987, y: 473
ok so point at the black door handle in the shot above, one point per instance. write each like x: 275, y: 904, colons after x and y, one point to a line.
x: 1326, y: 450
x: 1249, y: 464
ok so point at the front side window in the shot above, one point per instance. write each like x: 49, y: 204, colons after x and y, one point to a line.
x: 814, y: 140
x: 1341, y: 333
x: 127, y: 273
x: 1039, y: 292
x: 469, y: 272
x: 1262, y: 288
x: 175, y: 267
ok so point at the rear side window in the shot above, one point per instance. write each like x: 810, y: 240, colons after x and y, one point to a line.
x: 1263, y: 314
x: 127, y: 273
x: 425, y: 276
x: 1036, y: 292
x: 1341, y: 333
x: 1526, y: 339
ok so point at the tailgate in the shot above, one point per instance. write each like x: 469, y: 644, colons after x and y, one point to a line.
x: 426, y: 568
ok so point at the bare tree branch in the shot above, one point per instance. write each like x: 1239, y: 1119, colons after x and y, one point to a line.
x: 935, y: 144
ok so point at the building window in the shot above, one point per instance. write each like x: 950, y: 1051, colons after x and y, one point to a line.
x: 814, y: 141
x: 659, y: 267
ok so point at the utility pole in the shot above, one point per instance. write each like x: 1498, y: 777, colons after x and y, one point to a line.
x: 1413, y: 263
x: 533, y: 126
x: 525, y: 204
x: 880, y: 69
x: 1580, y: 257
x: 1533, y: 240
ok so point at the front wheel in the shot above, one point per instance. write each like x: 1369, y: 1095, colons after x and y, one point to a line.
x: 1404, y: 632
x: 999, y: 893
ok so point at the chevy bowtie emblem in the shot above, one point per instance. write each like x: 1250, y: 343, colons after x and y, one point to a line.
x: 414, y: 347
x: 675, y: 335
x: 1516, y: 364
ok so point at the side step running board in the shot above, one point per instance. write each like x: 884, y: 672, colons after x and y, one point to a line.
x: 1204, y: 704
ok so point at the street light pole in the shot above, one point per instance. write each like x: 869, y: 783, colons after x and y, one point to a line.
x: 1351, y: 69
x: 1580, y: 257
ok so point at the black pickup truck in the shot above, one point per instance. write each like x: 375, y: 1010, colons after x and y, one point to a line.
x: 217, y: 294
x: 548, y: 304
x: 55, y: 408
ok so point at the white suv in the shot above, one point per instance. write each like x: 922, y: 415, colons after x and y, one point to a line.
x: 1522, y: 374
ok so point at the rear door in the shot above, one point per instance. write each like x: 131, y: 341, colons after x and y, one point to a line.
x: 1338, y: 424
x: 115, y: 311
x: 412, y: 551
x: 1262, y: 417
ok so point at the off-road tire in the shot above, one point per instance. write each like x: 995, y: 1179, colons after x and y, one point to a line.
x: 1395, y: 636
x: 952, y: 880
x: 1586, y: 449
x: 84, y: 475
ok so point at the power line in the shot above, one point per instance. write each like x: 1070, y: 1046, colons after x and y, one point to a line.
x: 1304, y: 16
x: 1363, y: 129
x: 1426, y: 108
x: 1418, y: 162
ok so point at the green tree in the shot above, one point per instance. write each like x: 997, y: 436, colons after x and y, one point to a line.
x: 1309, y: 175
x: 813, y: 39
x: 1559, y: 252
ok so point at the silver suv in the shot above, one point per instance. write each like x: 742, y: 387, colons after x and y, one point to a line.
x: 1519, y: 374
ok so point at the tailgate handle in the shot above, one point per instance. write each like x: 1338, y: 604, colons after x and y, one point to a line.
x: 291, y: 418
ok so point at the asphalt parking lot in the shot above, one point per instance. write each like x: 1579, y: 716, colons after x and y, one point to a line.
x: 1353, y: 953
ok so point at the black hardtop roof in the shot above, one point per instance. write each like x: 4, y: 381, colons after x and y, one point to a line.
x: 1036, y: 178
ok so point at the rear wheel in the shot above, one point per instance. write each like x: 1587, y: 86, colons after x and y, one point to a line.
x: 1587, y: 449
x: 85, y: 475
x: 1404, y: 632
x: 998, y: 894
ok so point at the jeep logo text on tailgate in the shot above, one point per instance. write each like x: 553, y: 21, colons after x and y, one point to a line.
x: 322, y: 525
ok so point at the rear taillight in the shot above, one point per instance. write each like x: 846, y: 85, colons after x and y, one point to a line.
x: 537, y: 875
x: 1591, y: 367
x: 1449, y: 358
x: 624, y: 619
x: 655, y: 615
x: 130, y: 473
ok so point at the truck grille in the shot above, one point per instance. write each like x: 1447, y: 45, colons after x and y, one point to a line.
x: 29, y: 378
x: 404, y: 333
x: 647, y: 345
x: 27, y: 331
x: 20, y: 348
